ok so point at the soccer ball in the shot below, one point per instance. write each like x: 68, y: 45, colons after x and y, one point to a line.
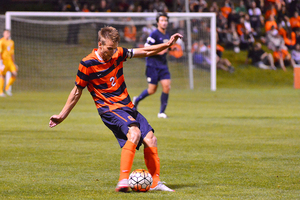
x: 140, y: 180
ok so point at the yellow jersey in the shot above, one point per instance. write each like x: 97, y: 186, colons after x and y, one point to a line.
x: 7, y: 49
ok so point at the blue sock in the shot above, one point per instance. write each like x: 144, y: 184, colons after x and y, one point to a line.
x: 163, y: 102
x: 143, y: 95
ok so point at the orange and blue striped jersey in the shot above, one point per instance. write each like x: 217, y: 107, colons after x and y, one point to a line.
x: 7, y: 48
x: 105, y: 80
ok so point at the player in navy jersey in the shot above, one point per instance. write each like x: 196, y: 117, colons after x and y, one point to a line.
x: 102, y: 73
x: 157, y: 67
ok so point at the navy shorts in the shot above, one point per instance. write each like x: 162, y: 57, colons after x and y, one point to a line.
x: 155, y: 74
x: 119, y: 120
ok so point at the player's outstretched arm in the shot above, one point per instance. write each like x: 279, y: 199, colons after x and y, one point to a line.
x: 155, y: 49
x: 71, y: 102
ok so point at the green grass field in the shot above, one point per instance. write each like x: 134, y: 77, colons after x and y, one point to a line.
x: 228, y: 144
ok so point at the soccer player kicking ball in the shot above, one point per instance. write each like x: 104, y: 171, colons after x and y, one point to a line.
x: 102, y: 73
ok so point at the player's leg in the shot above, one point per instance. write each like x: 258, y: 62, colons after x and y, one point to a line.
x: 164, y: 77
x: 125, y: 129
x: 2, y: 79
x: 10, y: 82
x: 1, y: 86
x: 164, y: 97
x: 152, y: 162
x: 149, y: 91
x: 151, y: 157
x: 127, y: 156
x: 13, y: 69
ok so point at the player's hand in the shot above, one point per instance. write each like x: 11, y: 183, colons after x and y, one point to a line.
x: 55, y: 120
x: 174, y: 38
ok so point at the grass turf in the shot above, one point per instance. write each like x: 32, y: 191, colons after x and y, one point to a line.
x: 233, y: 143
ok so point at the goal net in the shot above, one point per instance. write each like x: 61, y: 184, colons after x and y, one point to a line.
x: 50, y: 45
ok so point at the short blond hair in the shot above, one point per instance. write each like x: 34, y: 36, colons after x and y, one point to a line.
x: 109, y: 33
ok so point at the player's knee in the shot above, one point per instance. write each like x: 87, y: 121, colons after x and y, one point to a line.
x: 150, y: 140
x: 151, y: 91
x: 167, y: 89
x: 154, y: 141
x: 134, y: 134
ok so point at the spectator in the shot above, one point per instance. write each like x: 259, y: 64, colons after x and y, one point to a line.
x: 296, y: 55
x: 270, y: 23
x: 292, y: 6
x: 297, y: 31
x: 222, y: 25
x: 139, y: 8
x: 93, y: 8
x: 282, y: 56
x: 282, y: 16
x: 202, y: 6
x: 284, y: 21
x: 256, y: 18
x: 274, y: 40
x: 224, y: 64
x: 241, y: 9
x: 226, y: 9
x: 60, y: 6
x: 281, y: 30
x: 248, y: 26
x: 150, y: 8
x: 122, y: 6
x: 233, y: 38
x: 85, y: 8
x: 271, y: 11
x: 290, y: 39
x: 75, y: 6
x: 254, y: 10
x: 103, y: 6
x: 279, y: 4
x: 130, y: 31
x: 246, y: 37
x: 205, y: 30
x: 295, y: 21
x: 159, y: 6
x: 131, y: 8
x: 194, y: 5
x: 214, y: 7
x: 248, y: 4
x: 201, y: 55
x: 260, y: 58
x: 146, y: 31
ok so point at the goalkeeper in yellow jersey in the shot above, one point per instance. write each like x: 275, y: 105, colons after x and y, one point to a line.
x: 7, y: 62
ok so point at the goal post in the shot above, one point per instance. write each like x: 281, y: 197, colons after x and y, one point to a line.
x: 25, y: 25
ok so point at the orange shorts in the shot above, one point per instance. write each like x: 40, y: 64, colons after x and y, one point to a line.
x: 280, y: 54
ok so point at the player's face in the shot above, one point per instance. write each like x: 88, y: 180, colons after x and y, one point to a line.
x: 162, y: 22
x: 6, y: 34
x: 108, y: 49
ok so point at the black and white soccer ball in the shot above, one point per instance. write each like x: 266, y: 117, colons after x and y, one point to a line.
x: 140, y: 180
